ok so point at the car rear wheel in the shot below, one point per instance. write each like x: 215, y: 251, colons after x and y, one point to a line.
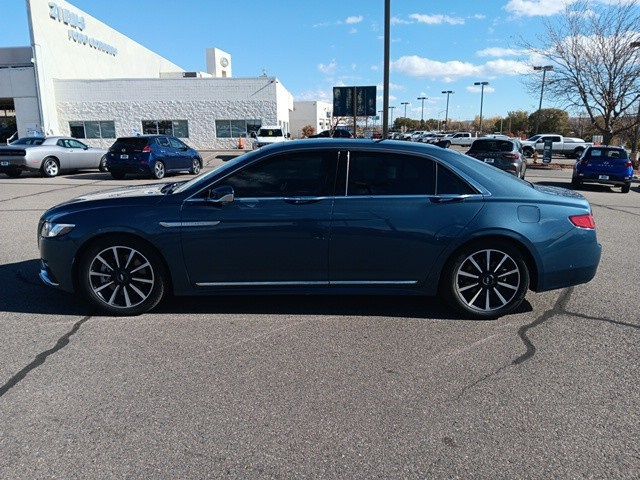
x: 13, y: 173
x: 487, y: 282
x: 196, y: 166
x: 625, y: 188
x: 121, y: 276
x: 50, y: 167
x: 159, y: 170
x: 103, y: 164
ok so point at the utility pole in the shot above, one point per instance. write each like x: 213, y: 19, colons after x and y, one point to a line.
x: 422, y: 114
x: 387, y: 49
x: 634, y: 144
x: 545, y: 69
x: 446, y: 115
x: 405, y: 108
x: 482, y: 85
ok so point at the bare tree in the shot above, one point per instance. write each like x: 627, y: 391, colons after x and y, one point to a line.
x: 596, y: 67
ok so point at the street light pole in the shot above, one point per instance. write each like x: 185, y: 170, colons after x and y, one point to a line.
x: 446, y: 115
x: 422, y: 114
x: 634, y: 145
x: 391, y: 108
x: 545, y: 69
x: 482, y: 85
x: 387, y: 49
x: 405, y: 108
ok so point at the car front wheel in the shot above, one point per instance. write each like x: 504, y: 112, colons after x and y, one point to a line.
x: 487, y: 282
x: 121, y: 276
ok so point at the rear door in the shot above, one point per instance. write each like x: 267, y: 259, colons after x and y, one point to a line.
x: 181, y: 151
x: 396, y: 215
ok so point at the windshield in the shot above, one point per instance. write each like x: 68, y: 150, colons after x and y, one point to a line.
x: 202, y: 180
x: 492, y: 146
x: 270, y: 132
x: 28, y: 141
x: 534, y: 138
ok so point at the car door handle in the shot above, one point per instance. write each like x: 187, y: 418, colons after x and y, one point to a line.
x: 440, y: 200
x: 302, y: 200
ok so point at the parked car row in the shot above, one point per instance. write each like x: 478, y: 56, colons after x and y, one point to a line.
x: 154, y: 155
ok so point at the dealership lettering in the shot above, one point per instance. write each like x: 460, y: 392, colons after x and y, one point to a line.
x: 77, y: 22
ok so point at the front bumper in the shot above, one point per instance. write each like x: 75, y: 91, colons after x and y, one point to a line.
x: 57, y: 256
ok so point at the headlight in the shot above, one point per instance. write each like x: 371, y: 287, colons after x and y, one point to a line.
x: 55, y: 229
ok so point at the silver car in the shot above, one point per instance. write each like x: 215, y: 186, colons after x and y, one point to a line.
x: 49, y: 156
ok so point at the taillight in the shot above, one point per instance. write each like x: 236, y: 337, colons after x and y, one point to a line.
x: 511, y: 156
x: 629, y: 164
x: 146, y: 149
x: 584, y: 221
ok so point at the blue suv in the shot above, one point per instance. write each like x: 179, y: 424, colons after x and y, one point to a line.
x: 154, y: 155
x: 605, y: 166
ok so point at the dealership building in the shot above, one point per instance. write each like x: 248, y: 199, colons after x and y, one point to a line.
x: 82, y: 78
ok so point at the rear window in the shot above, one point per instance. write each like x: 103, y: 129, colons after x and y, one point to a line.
x: 606, y: 153
x: 492, y: 146
x: 28, y: 141
x: 270, y: 132
x: 132, y: 144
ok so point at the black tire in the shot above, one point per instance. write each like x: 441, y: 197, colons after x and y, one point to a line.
x: 506, y: 280
x: 13, y: 173
x: 577, y: 153
x: 528, y: 152
x: 50, y: 167
x: 575, y: 183
x: 103, y: 164
x: 110, y: 289
x: 117, y: 175
x: 159, y: 170
x: 625, y: 188
x: 196, y: 166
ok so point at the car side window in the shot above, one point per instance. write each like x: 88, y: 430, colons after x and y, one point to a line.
x: 295, y: 174
x: 62, y: 143
x: 175, y: 143
x: 451, y: 184
x: 163, y: 142
x: 556, y: 139
x: 378, y: 173
x: 75, y: 144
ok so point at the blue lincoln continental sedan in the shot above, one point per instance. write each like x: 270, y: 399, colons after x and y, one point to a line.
x: 329, y: 217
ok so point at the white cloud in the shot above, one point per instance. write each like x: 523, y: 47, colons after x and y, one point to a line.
x: 436, y: 19
x: 375, y: 68
x: 500, y: 52
x: 479, y: 16
x: 392, y: 86
x: 329, y: 68
x: 354, y: 19
x: 416, y: 66
x: 477, y: 89
x: 353, y: 30
x: 537, y: 8
x: 318, y: 94
x: 399, y: 21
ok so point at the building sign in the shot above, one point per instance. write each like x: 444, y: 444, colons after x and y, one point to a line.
x: 365, y: 101
x: 78, y: 24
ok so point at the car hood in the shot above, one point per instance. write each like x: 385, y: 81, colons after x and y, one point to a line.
x: 138, y: 195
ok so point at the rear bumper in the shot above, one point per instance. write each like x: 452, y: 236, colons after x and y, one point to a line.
x: 129, y: 167
x: 571, y: 260
x: 16, y: 163
x: 614, y: 179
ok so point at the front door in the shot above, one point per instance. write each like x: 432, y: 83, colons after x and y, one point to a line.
x: 274, y: 233
x: 181, y: 159
x: 394, y: 221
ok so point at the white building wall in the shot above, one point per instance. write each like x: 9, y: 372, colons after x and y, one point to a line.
x: 315, y: 113
x: 59, y: 55
x: 200, y: 101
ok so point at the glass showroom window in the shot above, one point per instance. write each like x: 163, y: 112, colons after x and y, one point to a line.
x: 176, y: 128
x: 236, y: 128
x: 93, y: 129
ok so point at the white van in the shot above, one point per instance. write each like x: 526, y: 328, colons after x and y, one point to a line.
x: 268, y: 135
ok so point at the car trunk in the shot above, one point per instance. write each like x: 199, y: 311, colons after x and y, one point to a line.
x: 606, y: 165
x: 129, y: 150
x: 497, y: 153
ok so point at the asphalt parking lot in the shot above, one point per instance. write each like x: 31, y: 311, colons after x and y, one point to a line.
x: 336, y: 387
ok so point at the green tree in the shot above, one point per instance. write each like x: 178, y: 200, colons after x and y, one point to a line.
x: 551, y: 120
x: 517, y: 123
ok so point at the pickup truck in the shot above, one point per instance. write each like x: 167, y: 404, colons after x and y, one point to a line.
x: 568, y: 146
x: 463, y: 139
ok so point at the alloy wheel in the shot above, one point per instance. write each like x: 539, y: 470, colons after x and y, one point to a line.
x: 158, y: 170
x: 195, y: 168
x: 487, y: 280
x: 121, y: 277
x: 51, y: 168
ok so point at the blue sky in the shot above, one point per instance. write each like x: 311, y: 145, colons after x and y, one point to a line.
x: 312, y: 46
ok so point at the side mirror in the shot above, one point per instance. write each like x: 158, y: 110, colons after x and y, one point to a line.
x: 220, y: 195
x: 85, y: 148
